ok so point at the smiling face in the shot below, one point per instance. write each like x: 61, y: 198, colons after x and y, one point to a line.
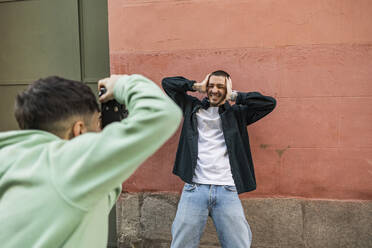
x: 216, y: 90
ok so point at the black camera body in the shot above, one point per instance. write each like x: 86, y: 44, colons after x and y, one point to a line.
x: 111, y: 110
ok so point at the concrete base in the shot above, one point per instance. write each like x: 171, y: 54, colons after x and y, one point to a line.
x: 145, y: 219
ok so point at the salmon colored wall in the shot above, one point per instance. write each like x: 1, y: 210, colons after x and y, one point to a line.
x: 314, y: 56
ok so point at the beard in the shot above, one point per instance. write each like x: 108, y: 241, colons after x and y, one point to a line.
x: 220, y: 100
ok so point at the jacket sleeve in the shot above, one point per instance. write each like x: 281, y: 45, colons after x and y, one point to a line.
x: 89, y: 166
x: 176, y: 88
x: 254, y: 106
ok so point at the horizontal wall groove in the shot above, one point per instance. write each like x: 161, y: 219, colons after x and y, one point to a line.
x: 312, y: 45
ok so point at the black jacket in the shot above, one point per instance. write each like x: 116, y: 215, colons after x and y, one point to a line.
x: 248, y: 108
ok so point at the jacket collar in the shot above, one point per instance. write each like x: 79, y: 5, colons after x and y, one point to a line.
x: 205, y: 103
x: 222, y: 108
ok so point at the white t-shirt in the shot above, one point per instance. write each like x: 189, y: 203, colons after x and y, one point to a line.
x: 213, y: 165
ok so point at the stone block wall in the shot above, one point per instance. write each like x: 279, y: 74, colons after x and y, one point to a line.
x: 145, y: 220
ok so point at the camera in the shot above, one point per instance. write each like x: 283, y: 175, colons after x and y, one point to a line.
x: 111, y: 110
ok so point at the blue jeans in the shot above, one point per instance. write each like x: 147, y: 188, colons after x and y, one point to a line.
x: 198, y: 201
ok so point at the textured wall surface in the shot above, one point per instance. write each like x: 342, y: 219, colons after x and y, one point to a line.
x: 144, y: 221
x: 315, y: 57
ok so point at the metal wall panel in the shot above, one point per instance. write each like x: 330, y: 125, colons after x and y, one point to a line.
x: 39, y: 38
x: 94, y: 40
x: 68, y: 38
x: 8, y: 94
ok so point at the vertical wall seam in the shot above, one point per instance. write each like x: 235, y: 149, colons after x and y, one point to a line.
x: 81, y: 39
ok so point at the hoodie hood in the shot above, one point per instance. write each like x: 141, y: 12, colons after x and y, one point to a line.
x: 23, y: 136
x: 13, y: 143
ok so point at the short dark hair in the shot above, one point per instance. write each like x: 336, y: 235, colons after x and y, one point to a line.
x: 218, y: 73
x: 53, y: 99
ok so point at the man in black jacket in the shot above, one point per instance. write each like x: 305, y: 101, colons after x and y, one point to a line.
x: 214, y: 158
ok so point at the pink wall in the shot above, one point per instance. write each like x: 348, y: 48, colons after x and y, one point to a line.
x: 314, y: 56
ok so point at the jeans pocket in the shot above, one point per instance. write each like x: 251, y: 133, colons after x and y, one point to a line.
x: 230, y: 188
x: 189, y: 187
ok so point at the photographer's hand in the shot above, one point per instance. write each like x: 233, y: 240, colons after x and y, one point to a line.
x: 109, y: 84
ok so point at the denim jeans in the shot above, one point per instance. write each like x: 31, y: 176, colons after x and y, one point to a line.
x: 222, y: 204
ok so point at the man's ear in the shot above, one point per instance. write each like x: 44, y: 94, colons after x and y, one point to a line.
x: 78, y: 128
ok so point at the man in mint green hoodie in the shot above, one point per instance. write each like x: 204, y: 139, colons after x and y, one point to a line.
x: 59, y: 177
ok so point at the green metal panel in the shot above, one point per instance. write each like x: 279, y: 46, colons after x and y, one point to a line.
x: 68, y: 38
x: 8, y: 94
x: 112, y: 235
x: 95, y: 63
x: 94, y: 40
x: 39, y: 38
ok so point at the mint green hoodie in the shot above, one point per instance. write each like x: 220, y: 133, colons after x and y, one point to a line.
x: 58, y: 193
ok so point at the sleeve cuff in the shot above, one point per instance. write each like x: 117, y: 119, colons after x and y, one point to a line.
x: 119, y: 88
x: 239, y: 97
x: 190, y: 83
x: 234, y: 95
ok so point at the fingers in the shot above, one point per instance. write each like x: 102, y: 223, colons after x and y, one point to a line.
x: 229, y: 82
x: 228, y: 95
x: 206, y: 79
x: 103, y: 98
x: 203, y: 85
x: 109, y: 84
x: 228, y: 88
x: 103, y: 84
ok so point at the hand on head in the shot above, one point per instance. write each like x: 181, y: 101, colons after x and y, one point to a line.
x: 228, y: 88
x: 202, y: 86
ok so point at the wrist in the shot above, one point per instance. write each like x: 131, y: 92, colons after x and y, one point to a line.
x: 119, y: 89
x: 234, y: 95
x: 197, y: 87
